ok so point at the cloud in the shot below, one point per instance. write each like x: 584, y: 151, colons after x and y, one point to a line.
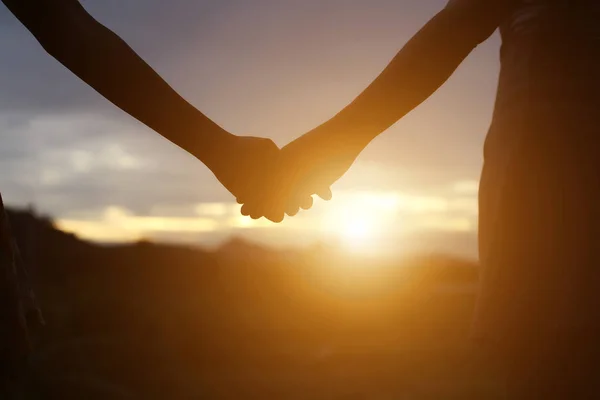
x: 68, y: 149
x: 116, y: 224
x: 69, y: 162
x: 216, y: 209
x: 467, y: 187
x: 387, y: 214
x: 267, y: 67
x: 159, y: 31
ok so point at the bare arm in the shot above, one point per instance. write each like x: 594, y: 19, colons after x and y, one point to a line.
x: 106, y: 63
x: 417, y: 71
x: 317, y: 159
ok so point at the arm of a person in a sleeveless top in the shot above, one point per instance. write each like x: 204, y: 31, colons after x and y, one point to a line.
x: 317, y: 159
x: 106, y: 63
x: 423, y: 64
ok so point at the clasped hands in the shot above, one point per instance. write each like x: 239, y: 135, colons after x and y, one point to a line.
x: 272, y: 182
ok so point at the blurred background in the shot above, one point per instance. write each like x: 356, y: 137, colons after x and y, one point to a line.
x: 151, y: 279
x: 147, y: 320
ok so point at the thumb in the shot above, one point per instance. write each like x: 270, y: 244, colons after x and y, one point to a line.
x: 325, y: 193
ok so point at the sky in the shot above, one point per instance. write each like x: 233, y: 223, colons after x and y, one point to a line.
x: 267, y: 68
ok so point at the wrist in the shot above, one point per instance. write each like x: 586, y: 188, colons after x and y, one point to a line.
x: 213, y: 147
x: 204, y: 139
x: 351, y: 136
x: 347, y: 142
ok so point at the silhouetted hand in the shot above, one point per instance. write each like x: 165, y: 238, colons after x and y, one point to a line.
x: 308, y: 165
x: 243, y: 165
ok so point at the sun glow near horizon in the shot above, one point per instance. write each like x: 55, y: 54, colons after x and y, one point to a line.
x: 358, y: 220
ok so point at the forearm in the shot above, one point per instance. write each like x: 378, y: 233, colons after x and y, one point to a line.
x: 416, y: 72
x: 106, y: 63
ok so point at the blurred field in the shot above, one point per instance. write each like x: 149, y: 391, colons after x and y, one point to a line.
x: 149, y: 321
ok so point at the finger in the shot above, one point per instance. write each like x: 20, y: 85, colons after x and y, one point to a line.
x: 292, y: 209
x: 278, y: 217
x: 257, y: 205
x: 325, y: 194
x: 275, y: 215
x: 251, y: 211
x: 239, y: 200
x: 245, y: 210
x: 256, y: 211
x: 306, y: 202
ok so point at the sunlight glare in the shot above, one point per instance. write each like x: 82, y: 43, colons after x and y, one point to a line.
x: 359, y: 219
x: 357, y: 229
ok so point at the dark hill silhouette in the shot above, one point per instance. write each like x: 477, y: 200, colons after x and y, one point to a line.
x: 238, y: 249
x: 168, y: 321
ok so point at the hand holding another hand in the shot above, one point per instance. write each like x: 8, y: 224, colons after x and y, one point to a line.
x: 244, y: 165
x: 308, y: 165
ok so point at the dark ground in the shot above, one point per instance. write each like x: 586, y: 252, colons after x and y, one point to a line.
x: 162, y: 322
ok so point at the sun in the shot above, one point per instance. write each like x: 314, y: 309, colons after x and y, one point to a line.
x: 357, y: 231
x: 359, y: 220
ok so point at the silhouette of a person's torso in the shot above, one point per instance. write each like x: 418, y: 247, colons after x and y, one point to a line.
x: 540, y: 185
